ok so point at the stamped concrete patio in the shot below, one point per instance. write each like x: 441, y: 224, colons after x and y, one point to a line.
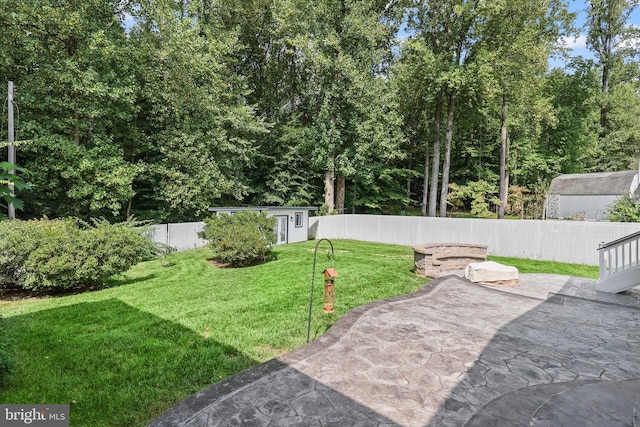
x: 552, y: 352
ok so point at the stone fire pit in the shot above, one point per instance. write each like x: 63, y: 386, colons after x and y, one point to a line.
x: 432, y: 259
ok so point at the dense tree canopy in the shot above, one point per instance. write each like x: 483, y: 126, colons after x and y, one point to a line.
x: 161, y: 108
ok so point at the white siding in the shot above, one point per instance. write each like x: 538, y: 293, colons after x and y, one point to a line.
x: 584, y: 206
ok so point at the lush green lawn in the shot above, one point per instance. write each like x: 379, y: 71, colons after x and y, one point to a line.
x: 121, y: 356
x: 536, y: 266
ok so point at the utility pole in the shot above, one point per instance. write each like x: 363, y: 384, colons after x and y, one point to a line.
x: 11, y: 148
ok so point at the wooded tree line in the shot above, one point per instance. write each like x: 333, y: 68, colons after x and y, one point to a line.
x: 162, y: 108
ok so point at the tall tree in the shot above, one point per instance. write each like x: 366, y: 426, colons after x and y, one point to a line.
x: 608, y: 35
x: 276, y: 75
x: 75, y: 94
x: 194, y: 130
x: 517, y: 39
x: 343, y: 47
x: 149, y: 120
x: 621, y: 145
x: 309, y: 65
x: 414, y: 79
x: 570, y: 143
x: 446, y: 27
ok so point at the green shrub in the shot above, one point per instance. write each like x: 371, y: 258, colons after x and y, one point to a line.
x: 625, y: 209
x: 240, y: 240
x: 66, y: 253
x: 479, y: 193
x: 6, y: 362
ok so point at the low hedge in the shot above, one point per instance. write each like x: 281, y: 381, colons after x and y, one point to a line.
x: 65, y: 253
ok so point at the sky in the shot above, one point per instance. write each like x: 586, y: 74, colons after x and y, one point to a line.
x: 578, y: 45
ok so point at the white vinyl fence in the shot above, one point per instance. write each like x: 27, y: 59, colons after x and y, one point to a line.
x: 180, y: 236
x: 565, y: 241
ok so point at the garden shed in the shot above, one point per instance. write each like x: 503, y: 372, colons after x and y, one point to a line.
x: 292, y: 222
x: 587, y: 195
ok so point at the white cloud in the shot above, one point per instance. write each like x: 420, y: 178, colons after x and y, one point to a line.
x: 631, y: 42
x: 579, y: 42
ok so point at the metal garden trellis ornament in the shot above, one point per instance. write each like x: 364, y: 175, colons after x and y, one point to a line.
x: 329, y: 294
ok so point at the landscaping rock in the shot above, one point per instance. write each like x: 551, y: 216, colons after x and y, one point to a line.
x: 492, y: 273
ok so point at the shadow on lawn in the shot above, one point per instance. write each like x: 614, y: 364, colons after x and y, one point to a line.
x: 272, y: 256
x: 115, y: 281
x: 17, y: 293
x: 114, y: 364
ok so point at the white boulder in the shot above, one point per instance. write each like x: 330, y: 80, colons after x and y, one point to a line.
x: 490, y: 271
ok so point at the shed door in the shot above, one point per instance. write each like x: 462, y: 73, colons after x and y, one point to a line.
x: 281, y: 229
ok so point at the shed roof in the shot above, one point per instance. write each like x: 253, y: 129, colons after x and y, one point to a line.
x: 598, y: 183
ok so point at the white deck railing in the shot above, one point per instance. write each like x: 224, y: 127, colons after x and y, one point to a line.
x: 619, y: 264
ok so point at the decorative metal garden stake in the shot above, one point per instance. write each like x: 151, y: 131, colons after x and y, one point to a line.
x: 313, y: 278
x: 329, y: 295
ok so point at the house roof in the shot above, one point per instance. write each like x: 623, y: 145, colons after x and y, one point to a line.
x: 598, y: 183
x: 262, y: 208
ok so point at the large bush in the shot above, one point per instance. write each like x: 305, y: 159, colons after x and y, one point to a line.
x: 66, y: 253
x: 240, y: 240
x: 625, y: 209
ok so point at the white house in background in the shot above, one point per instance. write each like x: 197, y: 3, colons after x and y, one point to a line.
x: 587, y: 195
x: 292, y: 222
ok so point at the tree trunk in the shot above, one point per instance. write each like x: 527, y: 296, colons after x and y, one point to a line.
x: 447, y: 155
x: 328, y: 188
x: 435, y: 163
x: 603, y: 102
x: 408, y: 183
x: 129, y: 206
x: 340, y: 192
x: 425, y: 183
x: 504, y: 155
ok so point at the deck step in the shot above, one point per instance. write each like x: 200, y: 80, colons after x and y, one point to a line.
x: 619, y: 282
